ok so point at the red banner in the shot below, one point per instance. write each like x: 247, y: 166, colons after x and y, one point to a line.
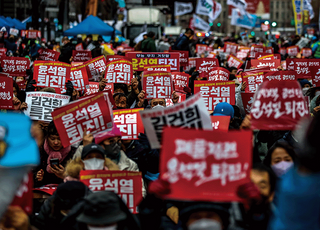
x: 293, y: 50
x: 219, y: 74
x: 253, y: 79
x: 283, y: 51
x: 280, y: 75
x: 230, y: 48
x: 157, y: 84
x: 48, y: 55
x: 79, y: 47
x: 278, y: 105
x: 201, y: 49
x: 95, y: 67
x: 205, y: 165
x: 258, y: 48
x: 290, y: 64
x: 306, y: 52
x: 220, y: 123
x: 79, y: 77
x: 128, y: 185
x: 216, y: 92
x: 52, y: 74
x: 306, y: 68
x: 129, y: 122
x: 6, y: 92
x: 157, y: 68
x: 117, y: 57
x: 15, y: 66
x: 33, y: 34
x: 119, y: 71
x: 234, y: 62
x: 269, y: 50
x: 93, y: 87
x: 81, y: 56
x: 139, y: 60
x: 180, y: 80
x: 3, y: 52
x: 184, y: 57
x: 272, y: 64
x: 91, y: 113
x: 206, y: 65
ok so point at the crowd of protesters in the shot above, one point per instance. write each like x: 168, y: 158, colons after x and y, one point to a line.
x: 285, y: 188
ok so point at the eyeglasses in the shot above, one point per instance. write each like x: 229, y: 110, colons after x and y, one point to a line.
x: 157, y: 103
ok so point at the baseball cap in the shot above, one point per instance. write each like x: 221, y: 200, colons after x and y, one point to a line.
x: 223, y: 109
x: 91, y: 148
x: 114, y: 132
x: 47, y: 189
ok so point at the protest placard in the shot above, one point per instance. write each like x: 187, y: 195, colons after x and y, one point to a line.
x: 234, y: 62
x: 290, y: 64
x: 94, y: 88
x: 247, y: 100
x: 182, y: 97
x: 3, y: 52
x: 92, y: 113
x: 230, y: 48
x: 191, y: 113
x: 306, y: 52
x: 52, y: 74
x: 220, y: 123
x: 278, y: 105
x: 205, y: 165
x: 79, y: 47
x: 316, y: 77
x: 258, y: 48
x: 192, y: 63
x: 119, y: 71
x: 293, y: 50
x: 139, y: 60
x: 215, y: 92
x: 79, y: 77
x: 42, y: 104
x: 33, y: 34
x: 128, y: 185
x: 117, y: 57
x: 283, y: 51
x: 272, y: 64
x: 201, y: 49
x: 280, y: 75
x: 157, y: 84
x: 95, y: 67
x: 219, y: 74
x: 269, y: 50
x: 183, y: 57
x: 15, y: 66
x: 6, y: 92
x: 157, y: 68
x: 206, y: 65
x: 180, y: 80
x: 48, y: 54
x: 305, y: 68
x: 81, y: 56
x: 129, y: 123
x: 253, y: 80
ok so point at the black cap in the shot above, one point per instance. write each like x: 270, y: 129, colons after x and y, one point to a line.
x: 92, y: 148
x: 102, y: 208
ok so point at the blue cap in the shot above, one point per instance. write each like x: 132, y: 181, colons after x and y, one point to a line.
x: 303, y: 82
x: 223, y: 109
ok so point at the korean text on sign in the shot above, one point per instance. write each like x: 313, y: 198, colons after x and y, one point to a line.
x: 234, y: 62
x: 79, y: 77
x: 219, y: 74
x: 119, y: 71
x: 216, y: 92
x: 206, y: 65
x: 253, y: 80
x: 95, y: 67
x: 139, y: 60
x: 128, y: 185
x: 191, y: 113
x: 157, y: 68
x: 81, y: 56
x: 184, y: 57
x: 230, y: 48
x: 15, y: 66
x: 272, y: 64
x: 52, y: 74
x: 280, y: 75
x: 180, y: 80
x: 205, y: 165
x: 42, y: 104
x: 247, y: 100
x: 129, y: 122
x: 305, y: 68
x: 92, y: 113
x: 48, y: 55
x: 157, y: 85
x: 278, y: 105
x: 6, y: 92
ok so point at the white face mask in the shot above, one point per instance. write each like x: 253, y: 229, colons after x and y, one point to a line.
x: 113, y: 227
x: 317, y: 93
x: 93, y: 164
x: 281, y: 168
x: 158, y: 107
x: 304, y: 90
x: 205, y: 224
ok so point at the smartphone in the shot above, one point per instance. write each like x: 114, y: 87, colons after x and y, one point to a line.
x: 53, y: 162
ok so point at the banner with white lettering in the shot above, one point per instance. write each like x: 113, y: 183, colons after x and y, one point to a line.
x: 119, y: 71
x: 181, y: 8
x: 157, y: 84
x: 200, y: 23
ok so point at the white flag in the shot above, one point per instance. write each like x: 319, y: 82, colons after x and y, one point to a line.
x: 216, y: 11
x: 200, y: 23
x: 209, y: 8
x: 240, y: 4
x: 181, y: 8
x: 307, y: 6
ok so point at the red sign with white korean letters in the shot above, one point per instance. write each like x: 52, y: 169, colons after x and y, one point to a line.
x: 216, y: 92
x: 278, y: 105
x: 272, y: 64
x: 201, y: 48
x: 230, y: 48
x: 6, y: 92
x: 305, y: 68
x: 316, y: 77
x: 247, y: 100
x: 180, y: 80
x: 95, y: 67
x: 205, y: 165
x: 157, y: 84
x: 280, y: 75
x: 219, y: 74
x: 15, y: 66
x: 128, y: 185
x: 81, y: 56
x: 93, y: 87
x: 306, y: 52
x: 79, y: 77
x: 234, y: 62
x: 92, y: 113
x: 293, y: 50
x: 119, y: 71
x: 206, y: 65
x: 48, y: 55
x: 52, y: 74
x: 253, y: 79
x: 157, y: 68
x: 184, y: 57
x: 220, y: 123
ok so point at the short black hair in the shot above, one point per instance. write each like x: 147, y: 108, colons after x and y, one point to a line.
x: 232, y: 68
x: 272, y: 177
x: 52, y: 130
x: 189, y: 30
x: 121, y: 86
x: 232, y: 77
x: 151, y: 34
x: 279, y: 144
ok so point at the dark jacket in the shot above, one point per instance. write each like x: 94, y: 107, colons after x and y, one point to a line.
x: 10, y: 45
x: 182, y: 44
x: 148, y: 45
x: 66, y: 52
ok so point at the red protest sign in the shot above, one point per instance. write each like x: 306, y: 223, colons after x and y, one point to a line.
x: 216, y: 92
x: 128, y: 185
x: 293, y: 50
x: 15, y: 66
x: 272, y: 64
x: 79, y: 77
x: 33, y: 34
x: 184, y: 57
x: 230, y: 48
x: 305, y: 68
x: 257, y: 48
x: 278, y: 105
x: 3, y: 52
x: 192, y: 62
x: 91, y: 113
x: 316, y: 77
x: 306, y: 52
x: 234, y: 62
x: 283, y: 51
x: 117, y: 57
x: 201, y: 48
x: 206, y: 65
x: 48, y: 55
x: 205, y: 165
x: 253, y: 80
x: 139, y: 60
x: 52, y: 74
x: 182, y: 98
x: 290, y: 64
x: 95, y: 67
x: 129, y: 123
x: 241, y: 55
x: 157, y: 68
x: 220, y: 123
x: 119, y: 71
x: 79, y: 47
x: 269, y: 50
x: 157, y: 84
x: 266, y: 57
x: 93, y: 87
x: 219, y: 74
x: 247, y: 100
x: 6, y: 92
x: 280, y: 75
x: 180, y: 80
x: 81, y: 56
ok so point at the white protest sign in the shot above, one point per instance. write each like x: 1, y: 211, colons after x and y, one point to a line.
x: 302, y: 42
x: 41, y: 104
x: 191, y: 113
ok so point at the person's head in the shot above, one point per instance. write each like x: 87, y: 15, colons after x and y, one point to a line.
x: 65, y: 40
x: 53, y: 137
x: 93, y: 157
x: 89, y: 38
x: 305, y: 84
x: 11, y: 38
x: 16, y: 89
x: 265, y: 179
x: 120, y: 100
x: 120, y: 88
x: 145, y: 36
x: 102, y: 210
x: 151, y: 34
x: 189, y: 33
x: 233, y: 70
x: 19, y: 79
x: 224, y: 109
x: 280, y: 157
x: 158, y: 103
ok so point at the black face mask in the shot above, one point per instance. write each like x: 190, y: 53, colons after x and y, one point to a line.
x: 11, y: 39
x: 113, y: 151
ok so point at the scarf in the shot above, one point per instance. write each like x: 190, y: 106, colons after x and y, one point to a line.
x: 61, y: 154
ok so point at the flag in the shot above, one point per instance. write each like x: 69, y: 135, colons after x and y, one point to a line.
x: 240, y: 4
x: 307, y: 6
x: 181, y: 8
x: 200, y: 23
x: 297, y: 6
x: 209, y: 8
x: 216, y: 11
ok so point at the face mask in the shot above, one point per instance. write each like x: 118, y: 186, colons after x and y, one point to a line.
x: 205, y: 224
x: 304, y: 90
x: 112, y: 151
x: 93, y: 164
x: 281, y: 168
x: 317, y: 93
x: 113, y: 227
x: 158, y: 107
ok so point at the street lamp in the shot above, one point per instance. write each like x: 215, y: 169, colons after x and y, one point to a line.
x: 266, y: 22
x: 274, y: 24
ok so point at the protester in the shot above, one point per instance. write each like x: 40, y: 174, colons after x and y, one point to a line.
x: 66, y: 50
x: 149, y: 45
x: 183, y: 42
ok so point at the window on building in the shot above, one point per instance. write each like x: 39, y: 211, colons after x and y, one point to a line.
x: 283, y: 4
x: 277, y: 4
x: 271, y: 5
x: 277, y: 15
